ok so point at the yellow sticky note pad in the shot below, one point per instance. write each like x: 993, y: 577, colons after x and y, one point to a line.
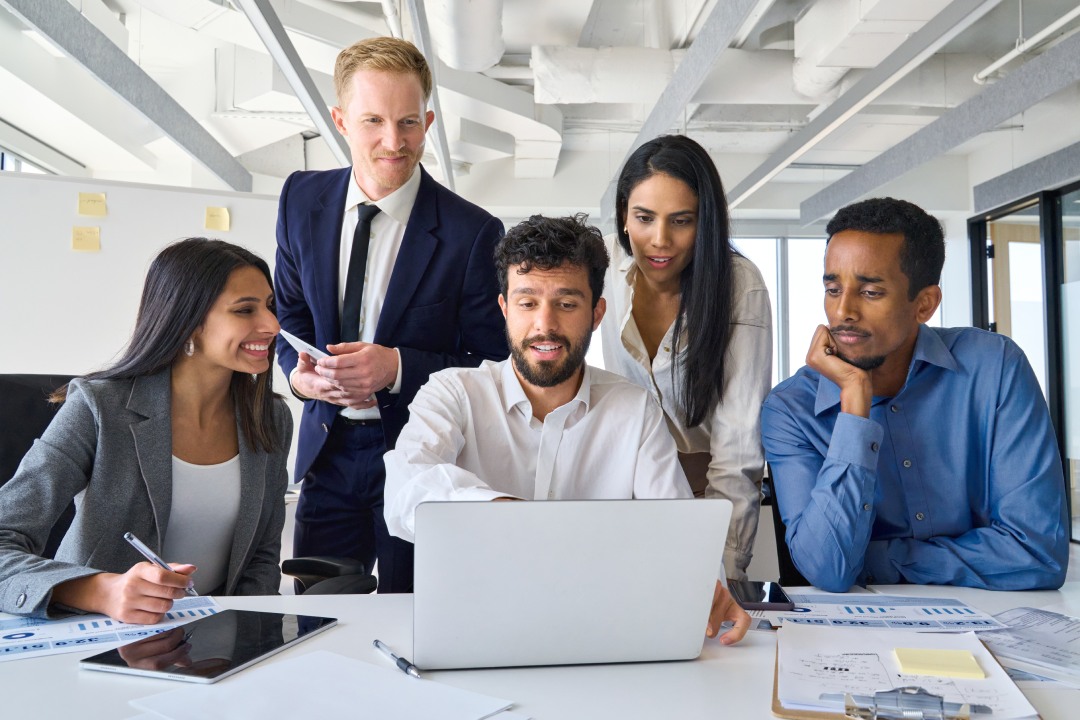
x: 939, y: 663
x: 92, y: 204
x: 86, y: 238
x: 217, y: 218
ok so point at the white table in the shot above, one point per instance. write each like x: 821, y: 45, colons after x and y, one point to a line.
x: 728, y: 682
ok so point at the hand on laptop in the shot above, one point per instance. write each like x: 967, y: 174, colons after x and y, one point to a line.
x: 724, y: 608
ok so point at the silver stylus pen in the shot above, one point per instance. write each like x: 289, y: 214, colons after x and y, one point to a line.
x: 150, y: 555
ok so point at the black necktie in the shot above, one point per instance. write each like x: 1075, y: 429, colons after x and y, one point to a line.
x: 354, y: 283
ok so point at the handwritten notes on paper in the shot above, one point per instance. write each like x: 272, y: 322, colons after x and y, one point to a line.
x: 87, y: 239
x: 92, y: 204
x: 217, y: 218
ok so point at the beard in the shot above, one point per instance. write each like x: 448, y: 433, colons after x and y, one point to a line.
x: 867, y: 363
x: 549, y: 373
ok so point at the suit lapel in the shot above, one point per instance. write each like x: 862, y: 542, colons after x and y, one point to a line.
x: 151, y: 398
x: 324, y: 240
x: 252, y: 488
x: 417, y: 248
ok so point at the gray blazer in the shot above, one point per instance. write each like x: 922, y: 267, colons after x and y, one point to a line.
x: 110, y: 448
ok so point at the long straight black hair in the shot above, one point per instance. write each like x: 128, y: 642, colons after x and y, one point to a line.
x: 706, y: 285
x: 182, y: 284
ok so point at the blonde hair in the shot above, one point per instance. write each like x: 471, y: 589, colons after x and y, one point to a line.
x: 385, y: 54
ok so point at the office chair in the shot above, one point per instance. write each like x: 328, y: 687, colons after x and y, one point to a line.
x: 25, y: 413
x: 789, y: 574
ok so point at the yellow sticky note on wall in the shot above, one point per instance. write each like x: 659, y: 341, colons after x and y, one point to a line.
x: 217, y: 218
x: 86, y: 238
x: 93, y: 204
x: 939, y: 663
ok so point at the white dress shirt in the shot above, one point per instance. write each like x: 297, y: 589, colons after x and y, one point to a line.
x: 731, y: 433
x: 471, y: 435
x: 387, y: 230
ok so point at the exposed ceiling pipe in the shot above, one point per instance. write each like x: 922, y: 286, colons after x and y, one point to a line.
x: 393, y: 20
x: 467, y: 33
x: 1025, y: 46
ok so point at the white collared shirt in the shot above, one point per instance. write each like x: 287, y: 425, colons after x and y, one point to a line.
x: 471, y: 435
x: 731, y: 433
x: 387, y: 231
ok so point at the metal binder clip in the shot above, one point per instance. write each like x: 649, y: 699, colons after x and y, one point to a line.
x: 906, y: 703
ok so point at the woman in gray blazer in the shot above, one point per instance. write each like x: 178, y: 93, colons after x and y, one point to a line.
x: 182, y: 442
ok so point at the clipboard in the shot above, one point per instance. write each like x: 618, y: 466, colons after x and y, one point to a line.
x: 857, y: 711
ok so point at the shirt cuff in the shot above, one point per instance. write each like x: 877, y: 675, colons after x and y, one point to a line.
x: 292, y: 388
x: 395, y: 389
x: 856, y: 441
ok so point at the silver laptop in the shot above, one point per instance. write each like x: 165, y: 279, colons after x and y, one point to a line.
x: 502, y: 584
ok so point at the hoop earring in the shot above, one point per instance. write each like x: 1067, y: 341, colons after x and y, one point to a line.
x: 189, y: 347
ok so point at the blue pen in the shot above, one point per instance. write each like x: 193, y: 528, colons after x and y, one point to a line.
x: 403, y: 665
x: 150, y: 555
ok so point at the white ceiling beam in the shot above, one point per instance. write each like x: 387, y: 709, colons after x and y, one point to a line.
x: 272, y: 32
x: 64, y: 26
x: 39, y: 153
x: 946, y: 25
x: 723, y: 25
x: 422, y: 40
x: 1031, y: 83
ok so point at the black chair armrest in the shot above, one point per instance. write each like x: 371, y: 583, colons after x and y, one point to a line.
x: 326, y: 575
x: 323, y: 565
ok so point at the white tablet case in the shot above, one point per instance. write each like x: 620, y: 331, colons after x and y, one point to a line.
x: 501, y: 584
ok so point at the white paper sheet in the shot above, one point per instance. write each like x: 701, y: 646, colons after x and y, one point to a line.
x: 22, y: 637
x: 817, y: 660
x: 884, y: 612
x: 1040, y: 642
x: 321, y: 684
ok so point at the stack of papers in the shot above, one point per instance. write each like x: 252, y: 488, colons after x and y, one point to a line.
x: 322, y: 684
x: 1040, y: 642
x: 24, y: 637
x: 817, y: 665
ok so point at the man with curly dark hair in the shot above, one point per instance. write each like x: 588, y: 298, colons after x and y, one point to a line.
x: 907, y: 453
x: 544, y: 424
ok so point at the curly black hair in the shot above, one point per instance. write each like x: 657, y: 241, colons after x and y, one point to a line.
x: 923, y: 252
x: 546, y: 243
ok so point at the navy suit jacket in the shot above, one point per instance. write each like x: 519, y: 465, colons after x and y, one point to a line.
x: 441, y: 307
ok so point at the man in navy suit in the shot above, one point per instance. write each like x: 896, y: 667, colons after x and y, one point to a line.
x: 394, y: 275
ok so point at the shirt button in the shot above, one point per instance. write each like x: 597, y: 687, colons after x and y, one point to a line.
x: 873, y: 447
x: 21, y: 600
x: 667, y: 349
x: 325, y: 429
x: 907, y: 463
x: 894, y: 408
x: 551, y: 495
x: 866, y: 506
x: 920, y: 516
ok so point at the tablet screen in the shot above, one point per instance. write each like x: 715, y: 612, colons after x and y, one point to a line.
x: 210, y: 648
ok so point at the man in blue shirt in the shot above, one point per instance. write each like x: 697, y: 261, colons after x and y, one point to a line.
x: 905, y: 453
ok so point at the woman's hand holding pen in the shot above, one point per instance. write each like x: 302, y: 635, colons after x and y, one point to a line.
x: 142, y: 595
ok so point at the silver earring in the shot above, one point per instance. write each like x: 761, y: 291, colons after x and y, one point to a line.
x: 189, y: 347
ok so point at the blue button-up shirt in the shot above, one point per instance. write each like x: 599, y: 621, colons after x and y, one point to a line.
x: 955, y: 480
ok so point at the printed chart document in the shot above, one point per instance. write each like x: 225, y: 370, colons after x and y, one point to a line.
x: 884, y: 612
x: 1039, y: 642
x: 22, y: 637
x: 321, y: 684
x: 813, y: 662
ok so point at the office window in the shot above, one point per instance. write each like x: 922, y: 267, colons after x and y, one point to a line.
x: 11, y: 162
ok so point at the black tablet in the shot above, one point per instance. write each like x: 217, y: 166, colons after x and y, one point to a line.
x: 210, y: 648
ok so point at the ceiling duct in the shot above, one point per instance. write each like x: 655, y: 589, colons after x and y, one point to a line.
x: 467, y: 33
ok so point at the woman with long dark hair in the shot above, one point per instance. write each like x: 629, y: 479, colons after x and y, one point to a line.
x: 181, y: 442
x: 689, y: 320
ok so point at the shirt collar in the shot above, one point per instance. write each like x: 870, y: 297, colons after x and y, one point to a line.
x: 514, y: 395
x: 398, y: 204
x: 929, y: 349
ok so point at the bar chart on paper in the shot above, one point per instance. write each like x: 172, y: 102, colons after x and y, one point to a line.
x: 31, y: 637
x: 885, y: 612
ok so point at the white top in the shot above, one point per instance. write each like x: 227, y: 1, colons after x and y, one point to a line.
x: 731, y: 434
x: 202, y: 522
x: 471, y: 435
x: 387, y: 230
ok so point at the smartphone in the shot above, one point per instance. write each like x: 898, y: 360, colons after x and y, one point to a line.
x: 752, y: 595
x: 302, y: 346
